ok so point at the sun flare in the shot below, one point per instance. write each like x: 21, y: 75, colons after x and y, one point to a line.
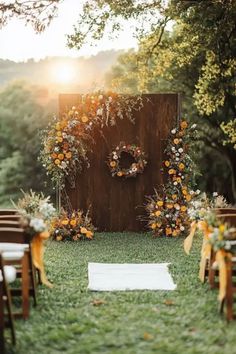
x: 63, y: 73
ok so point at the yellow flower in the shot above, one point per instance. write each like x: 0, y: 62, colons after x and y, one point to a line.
x: 83, y: 230
x: 60, y: 139
x: 119, y: 174
x: 178, y: 179
x: 184, y: 192
x: 175, y: 233
x: 158, y: 224
x: 158, y: 213
x: 168, y: 231
x: 167, y: 163
x: 59, y: 238
x: 153, y: 226
x: 188, y: 197
x: 58, y: 126
x: 68, y: 155
x: 222, y: 228
x: 73, y: 222
x: 57, y: 162
x: 171, y: 171
x: 176, y: 141
x: 84, y: 119
x: 61, y: 156
x: 183, y: 124
x: 160, y: 203
x: 89, y: 234
x: 181, y: 166
x: 183, y: 208
x: 174, y: 196
x: 112, y: 163
x: 59, y: 133
x: 65, y: 222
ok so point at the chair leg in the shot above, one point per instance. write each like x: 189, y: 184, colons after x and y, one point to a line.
x: 229, y: 292
x: 33, y: 279
x: 212, y: 272
x: 2, y: 343
x: 10, y: 315
x: 25, y: 286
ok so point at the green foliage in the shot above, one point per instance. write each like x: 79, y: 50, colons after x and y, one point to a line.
x: 73, y: 320
x: 21, y: 117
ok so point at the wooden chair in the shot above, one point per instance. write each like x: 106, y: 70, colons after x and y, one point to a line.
x: 8, y: 211
x: 7, y: 275
x: 12, y: 217
x: 8, y: 238
x: 33, y: 283
x: 230, y: 219
x: 220, y: 211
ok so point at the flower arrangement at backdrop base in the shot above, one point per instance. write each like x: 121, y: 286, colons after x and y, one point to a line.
x: 167, y: 209
x: 68, y: 139
x: 37, y: 213
x: 72, y: 226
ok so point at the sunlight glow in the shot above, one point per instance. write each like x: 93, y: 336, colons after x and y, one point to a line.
x: 63, y: 73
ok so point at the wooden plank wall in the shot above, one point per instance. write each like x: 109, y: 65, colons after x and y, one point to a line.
x: 116, y: 203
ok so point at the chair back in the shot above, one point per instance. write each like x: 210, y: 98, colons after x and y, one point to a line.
x: 10, y: 223
x: 228, y: 218
x: 10, y: 234
x: 8, y: 211
x: 220, y: 211
x: 12, y: 217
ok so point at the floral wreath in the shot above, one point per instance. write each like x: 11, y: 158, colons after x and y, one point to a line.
x: 136, y: 167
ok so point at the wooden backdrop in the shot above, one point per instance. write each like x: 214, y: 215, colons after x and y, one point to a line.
x: 117, y: 203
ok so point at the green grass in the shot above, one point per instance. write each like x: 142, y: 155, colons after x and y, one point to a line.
x: 183, y: 321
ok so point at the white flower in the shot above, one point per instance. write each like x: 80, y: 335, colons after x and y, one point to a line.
x: 37, y: 224
x: 191, y: 192
x: 167, y: 216
x: 173, y: 148
x: 227, y: 245
x: 56, y: 149
x: 177, y: 154
x: 177, y: 159
x: 215, y: 194
x: 47, y: 210
x: 175, y: 183
x: 198, y: 191
x: 180, y: 150
x: 99, y: 112
x: 173, y: 131
x: 182, y: 228
x: 193, y: 126
x: 64, y: 164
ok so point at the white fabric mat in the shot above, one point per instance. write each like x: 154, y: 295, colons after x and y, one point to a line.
x: 117, y: 277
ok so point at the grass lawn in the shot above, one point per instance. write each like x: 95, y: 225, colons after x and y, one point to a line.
x: 66, y: 320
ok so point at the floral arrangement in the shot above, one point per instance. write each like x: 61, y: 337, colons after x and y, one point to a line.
x: 37, y: 212
x: 136, y: 167
x: 67, y: 140
x: 72, y: 226
x: 168, y: 209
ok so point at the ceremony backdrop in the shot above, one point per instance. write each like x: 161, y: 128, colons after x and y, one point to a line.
x: 117, y: 203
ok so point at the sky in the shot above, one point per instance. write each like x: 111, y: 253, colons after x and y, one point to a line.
x: 20, y: 43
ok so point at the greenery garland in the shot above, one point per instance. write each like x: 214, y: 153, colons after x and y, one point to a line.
x: 136, y: 167
x: 67, y: 139
x: 167, y: 209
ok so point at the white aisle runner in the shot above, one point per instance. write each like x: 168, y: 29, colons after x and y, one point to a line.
x: 116, y: 277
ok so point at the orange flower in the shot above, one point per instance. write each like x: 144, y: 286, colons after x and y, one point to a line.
x: 73, y: 222
x: 158, y: 213
x: 178, y: 179
x: 59, y: 238
x: 183, y: 124
x: 160, y: 203
x: 181, y: 166
x: 184, y: 192
x: 65, y: 221
x: 60, y: 139
x: 183, y: 208
x: 84, y: 119
x: 59, y: 133
x: 168, y: 231
x: 158, y: 224
x: 112, y: 163
x: 169, y: 206
x: 57, y: 162
x: 174, y: 196
x: 61, y: 156
x: 167, y: 163
x: 58, y: 126
x: 119, y: 174
x: 153, y: 226
x: 176, y: 141
x: 175, y: 233
x: 89, y: 234
x: 68, y: 155
x: 83, y: 230
x: 171, y: 171
x: 54, y: 155
x: 188, y: 197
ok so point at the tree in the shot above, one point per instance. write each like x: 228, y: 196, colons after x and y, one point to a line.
x: 37, y: 13
x: 21, y: 119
